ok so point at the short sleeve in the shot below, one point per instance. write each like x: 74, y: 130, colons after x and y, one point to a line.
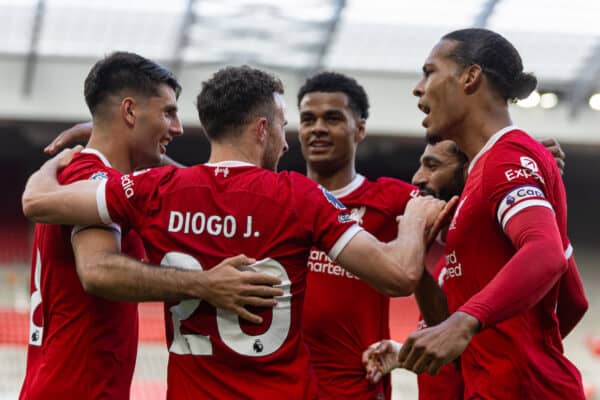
x: 125, y: 200
x: 513, y: 180
x: 327, y: 218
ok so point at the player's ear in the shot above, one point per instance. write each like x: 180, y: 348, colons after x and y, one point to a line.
x: 361, y: 131
x: 127, y: 109
x: 261, y: 129
x: 472, y: 77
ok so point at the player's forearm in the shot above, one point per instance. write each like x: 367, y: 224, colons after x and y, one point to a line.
x: 121, y: 278
x: 46, y: 201
x: 572, y: 302
x: 431, y: 300
x: 409, y: 250
x: 533, y: 270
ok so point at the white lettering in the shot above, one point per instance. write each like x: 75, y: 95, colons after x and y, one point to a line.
x: 198, y: 229
x: 229, y: 226
x: 175, y: 221
x: 214, y: 225
x: 248, y: 227
x: 199, y: 223
x: 127, y: 185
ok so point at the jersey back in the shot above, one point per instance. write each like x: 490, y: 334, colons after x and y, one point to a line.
x: 195, y: 217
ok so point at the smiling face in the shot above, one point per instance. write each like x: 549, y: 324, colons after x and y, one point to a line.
x: 441, y: 171
x: 329, y: 130
x: 441, y: 95
x: 156, y: 124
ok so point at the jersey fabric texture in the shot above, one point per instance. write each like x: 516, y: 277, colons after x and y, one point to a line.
x: 522, y: 356
x: 80, y: 346
x: 193, y: 218
x: 344, y: 315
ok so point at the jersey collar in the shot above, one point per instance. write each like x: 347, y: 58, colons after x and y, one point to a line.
x: 98, y: 154
x: 349, y: 188
x: 230, y: 163
x: 491, y: 141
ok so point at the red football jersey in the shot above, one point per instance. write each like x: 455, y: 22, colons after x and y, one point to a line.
x: 344, y: 315
x: 194, y: 218
x: 80, y: 346
x: 521, y: 357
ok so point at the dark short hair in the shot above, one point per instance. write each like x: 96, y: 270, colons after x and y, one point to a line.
x: 123, y: 71
x: 456, y: 152
x: 497, y: 57
x: 331, y: 82
x: 233, y: 96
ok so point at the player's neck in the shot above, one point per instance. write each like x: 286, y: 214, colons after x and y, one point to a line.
x: 478, y: 130
x: 227, y: 152
x: 115, y: 152
x: 332, y: 178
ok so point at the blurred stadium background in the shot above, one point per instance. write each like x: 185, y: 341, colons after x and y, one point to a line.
x: 48, y: 46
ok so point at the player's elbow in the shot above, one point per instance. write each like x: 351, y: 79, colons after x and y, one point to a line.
x: 32, y: 207
x: 90, y: 277
x: 402, y: 283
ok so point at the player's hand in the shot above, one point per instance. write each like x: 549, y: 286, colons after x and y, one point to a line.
x: 231, y: 289
x: 427, y: 208
x: 77, y: 133
x: 443, y: 220
x: 429, y: 349
x: 557, y: 152
x: 380, y: 359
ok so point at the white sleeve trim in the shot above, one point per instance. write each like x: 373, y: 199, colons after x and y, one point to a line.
x: 523, y: 205
x: 101, y: 203
x: 341, y: 243
x: 568, y: 251
x: 114, y: 228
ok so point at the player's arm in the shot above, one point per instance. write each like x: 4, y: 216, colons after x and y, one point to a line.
x: 557, y: 152
x: 106, y: 273
x: 431, y: 300
x: 394, y: 268
x: 532, y: 271
x: 572, y: 302
x: 46, y: 201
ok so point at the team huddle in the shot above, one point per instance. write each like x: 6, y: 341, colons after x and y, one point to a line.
x: 277, y: 284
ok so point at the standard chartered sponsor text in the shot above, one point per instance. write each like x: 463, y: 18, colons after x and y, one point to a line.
x: 318, y: 261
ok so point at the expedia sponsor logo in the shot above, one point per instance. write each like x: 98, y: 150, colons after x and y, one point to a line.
x: 530, y: 170
x: 127, y: 185
x: 529, y: 164
x: 318, y: 261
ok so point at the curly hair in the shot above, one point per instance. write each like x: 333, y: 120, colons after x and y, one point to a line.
x: 497, y: 57
x: 233, y: 96
x: 331, y: 82
x: 122, y: 71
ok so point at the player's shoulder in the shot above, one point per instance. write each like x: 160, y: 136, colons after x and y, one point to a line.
x: 390, y: 193
x: 519, y: 149
x: 385, y: 184
x: 519, y: 141
x: 84, y: 166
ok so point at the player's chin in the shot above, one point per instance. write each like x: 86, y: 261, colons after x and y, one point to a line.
x: 432, y: 136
